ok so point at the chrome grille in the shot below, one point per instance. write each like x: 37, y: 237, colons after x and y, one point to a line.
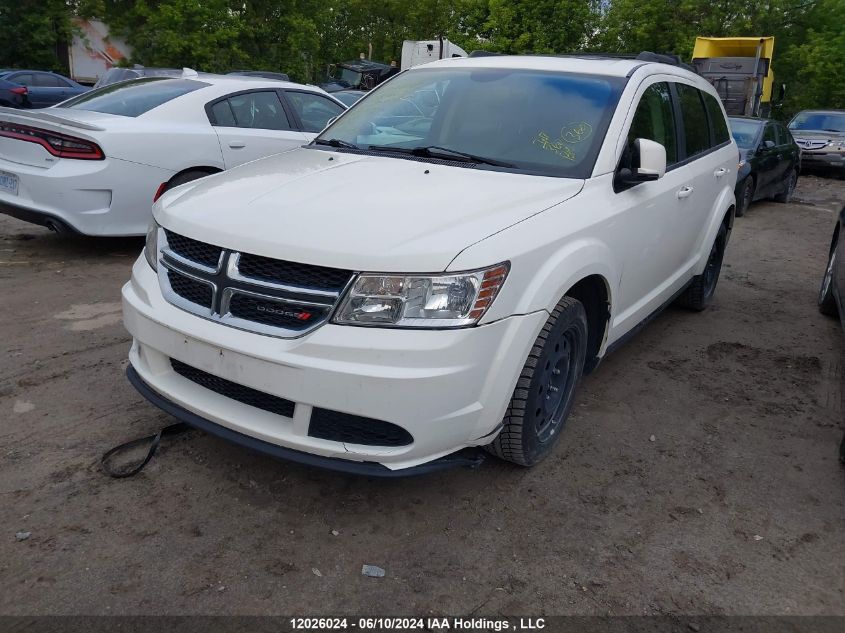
x: 811, y: 144
x: 250, y: 292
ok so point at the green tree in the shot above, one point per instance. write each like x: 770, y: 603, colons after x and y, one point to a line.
x: 33, y: 33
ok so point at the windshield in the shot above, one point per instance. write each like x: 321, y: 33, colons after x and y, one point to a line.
x: 528, y: 121
x: 824, y: 121
x: 133, y: 98
x: 345, y: 76
x: 745, y: 132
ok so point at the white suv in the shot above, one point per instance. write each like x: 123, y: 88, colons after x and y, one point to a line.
x: 440, y: 266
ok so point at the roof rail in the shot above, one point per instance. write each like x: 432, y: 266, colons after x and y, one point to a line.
x: 645, y: 56
x: 664, y: 58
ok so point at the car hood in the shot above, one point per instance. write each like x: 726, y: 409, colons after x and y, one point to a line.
x: 358, y: 212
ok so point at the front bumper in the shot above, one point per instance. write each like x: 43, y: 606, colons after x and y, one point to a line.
x: 449, y: 388
x: 827, y: 160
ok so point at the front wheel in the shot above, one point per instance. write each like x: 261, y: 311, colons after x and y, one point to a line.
x: 546, y: 387
x: 698, y: 294
x: 827, y: 302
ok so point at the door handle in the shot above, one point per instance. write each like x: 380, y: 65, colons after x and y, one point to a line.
x: 237, y: 144
x: 720, y: 172
x: 684, y: 192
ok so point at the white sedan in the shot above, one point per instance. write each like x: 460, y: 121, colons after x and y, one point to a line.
x: 95, y: 164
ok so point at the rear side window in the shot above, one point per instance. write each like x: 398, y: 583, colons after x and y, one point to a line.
x: 134, y: 98
x: 654, y: 119
x: 43, y: 80
x: 314, y: 110
x: 718, y: 125
x: 696, y: 131
x: 24, y: 79
x: 260, y: 110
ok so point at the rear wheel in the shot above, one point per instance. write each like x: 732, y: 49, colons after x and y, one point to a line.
x: 827, y: 303
x: 786, y: 194
x: 545, y: 391
x: 746, y: 196
x: 700, y: 291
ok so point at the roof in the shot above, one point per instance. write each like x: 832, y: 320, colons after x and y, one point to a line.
x: 589, y: 64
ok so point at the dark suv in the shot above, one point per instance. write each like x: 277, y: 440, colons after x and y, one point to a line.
x: 821, y: 136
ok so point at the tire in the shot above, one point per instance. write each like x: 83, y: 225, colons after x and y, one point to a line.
x: 842, y: 450
x: 698, y: 294
x: 186, y: 177
x: 827, y: 302
x: 786, y: 194
x: 546, y: 387
x: 746, y: 196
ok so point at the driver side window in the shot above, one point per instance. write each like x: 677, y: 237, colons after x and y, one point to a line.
x: 654, y: 119
x: 769, y: 135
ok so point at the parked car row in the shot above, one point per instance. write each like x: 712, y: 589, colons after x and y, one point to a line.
x: 95, y: 163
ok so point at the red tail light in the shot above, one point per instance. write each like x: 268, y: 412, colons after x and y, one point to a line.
x: 161, y: 189
x: 60, y: 145
x: 18, y: 91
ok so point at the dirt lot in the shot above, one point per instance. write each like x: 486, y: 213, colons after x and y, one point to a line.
x: 737, y: 506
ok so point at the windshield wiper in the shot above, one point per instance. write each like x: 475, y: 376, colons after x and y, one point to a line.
x: 435, y: 151
x: 335, y: 142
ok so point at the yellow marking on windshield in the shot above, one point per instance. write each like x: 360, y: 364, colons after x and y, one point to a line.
x: 556, y: 146
x: 576, y: 132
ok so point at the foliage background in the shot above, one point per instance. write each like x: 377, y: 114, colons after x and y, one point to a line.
x: 301, y: 37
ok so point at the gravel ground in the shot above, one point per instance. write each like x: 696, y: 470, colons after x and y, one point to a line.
x: 698, y: 474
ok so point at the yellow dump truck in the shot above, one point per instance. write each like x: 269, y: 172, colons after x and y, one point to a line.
x: 740, y: 68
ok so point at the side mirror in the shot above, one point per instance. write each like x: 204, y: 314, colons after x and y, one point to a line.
x: 768, y: 144
x: 648, y: 162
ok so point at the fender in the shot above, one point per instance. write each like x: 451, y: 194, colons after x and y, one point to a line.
x: 725, y: 205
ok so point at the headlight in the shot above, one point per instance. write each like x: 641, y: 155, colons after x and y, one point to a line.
x: 151, y: 247
x: 836, y: 143
x: 422, y: 301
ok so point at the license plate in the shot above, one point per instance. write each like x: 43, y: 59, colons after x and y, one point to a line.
x: 9, y: 182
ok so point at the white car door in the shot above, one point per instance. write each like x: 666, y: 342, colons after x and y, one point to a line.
x: 710, y: 164
x: 251, y: 125
x: 650, y: 215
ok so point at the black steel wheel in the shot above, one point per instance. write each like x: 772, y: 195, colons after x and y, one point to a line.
x: 702, y: 287
x: 546, y: 387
